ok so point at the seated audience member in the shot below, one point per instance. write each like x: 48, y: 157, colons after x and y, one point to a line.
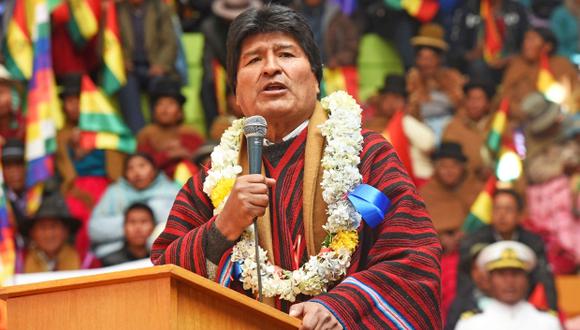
x: 552, y: 156
x: 167, y: 139
x: 446, y: 195
x: 412, y: 139
x: 448, y: 203
x: 521, y: 77
x: 142, y: 182
x: 564, y: 22
x: 14, y: 170
x: 434, y: 90
x: 85, y: 173
x: 150, y: 51
x: 505, y: 225
x: 472, y: 297
x: 48, y: 232
x: 509, y: 265
x: 468, y: 36
x: 470, y: 126
x: 12, y: 124
x: 138, y: 226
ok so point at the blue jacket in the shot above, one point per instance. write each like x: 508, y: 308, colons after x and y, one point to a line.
x: 106, y: 222
x: 565, y: 26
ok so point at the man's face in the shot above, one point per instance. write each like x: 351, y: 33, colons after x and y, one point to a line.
x: 138, y: 227
x: 476, y: 104
x: 5, y: 100
x: 15, y: 175
x: 449, y: 171
x: 390, y: 103
x: 167, y: 111
x: 427, y: 61
x: 508, y: 285
x: 533, y: 46
x: 505, y: 215
x: 140, y: 173
x: 49, y: 235
x: 71, y: 106
x: 275, y: 79
x: 480, y: 278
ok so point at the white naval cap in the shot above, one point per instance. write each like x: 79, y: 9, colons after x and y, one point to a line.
x: 506, y: 254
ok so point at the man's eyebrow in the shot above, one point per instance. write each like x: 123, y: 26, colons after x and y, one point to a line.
x: 277, y: 47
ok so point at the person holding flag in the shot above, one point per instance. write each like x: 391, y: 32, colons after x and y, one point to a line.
x: 486, y: 34
x: 538, y: 69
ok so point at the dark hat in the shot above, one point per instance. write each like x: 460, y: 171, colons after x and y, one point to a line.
x: 13, y: 150
x: 449, y: 150
x: 394, y: 83
x: 166, y: 87
x: 53, y: 206
x: 486, y: 85
x: 70, y: 85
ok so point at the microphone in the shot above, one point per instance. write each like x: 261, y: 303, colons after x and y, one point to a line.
x: 255, y: 129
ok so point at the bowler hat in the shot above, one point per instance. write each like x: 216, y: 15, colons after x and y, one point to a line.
x: 394, y: 83
x: 53, y: 206
x: 166, y: 87
x: 449, y: 150
x: 13, y: 151
x: 70, y: 85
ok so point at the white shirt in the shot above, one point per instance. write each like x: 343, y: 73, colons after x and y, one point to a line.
x: 499, y: 316
x: 422, y: 142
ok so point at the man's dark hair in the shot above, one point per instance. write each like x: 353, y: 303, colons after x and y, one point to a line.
x: 269, y: 19
x: 516, y: 196
x: 139, y: 206
x: 548, y: 36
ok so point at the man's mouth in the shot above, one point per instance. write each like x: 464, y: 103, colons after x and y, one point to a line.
x: 274, y: 87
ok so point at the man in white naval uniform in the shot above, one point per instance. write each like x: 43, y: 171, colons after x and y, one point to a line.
x: 508, y: 264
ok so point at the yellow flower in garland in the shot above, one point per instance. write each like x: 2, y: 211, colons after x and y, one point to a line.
x: 345, y: 239
x: 221, y: 191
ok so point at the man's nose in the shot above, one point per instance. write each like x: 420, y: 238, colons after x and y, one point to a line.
x: 271, y: 65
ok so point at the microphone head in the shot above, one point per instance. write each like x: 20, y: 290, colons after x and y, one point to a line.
x: 255, y: 126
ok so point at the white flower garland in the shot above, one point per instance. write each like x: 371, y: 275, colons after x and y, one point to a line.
x: 340, y: 162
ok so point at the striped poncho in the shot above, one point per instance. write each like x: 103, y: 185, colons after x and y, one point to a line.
x: 394, y: 278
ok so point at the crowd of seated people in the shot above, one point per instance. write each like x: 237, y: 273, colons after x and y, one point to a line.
x: 450, y: 99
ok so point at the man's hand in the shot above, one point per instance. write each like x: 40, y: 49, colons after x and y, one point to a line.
x: 314, y: 317
x: 248, y: 200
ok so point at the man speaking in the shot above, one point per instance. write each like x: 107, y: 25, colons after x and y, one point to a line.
x: 344, y: 239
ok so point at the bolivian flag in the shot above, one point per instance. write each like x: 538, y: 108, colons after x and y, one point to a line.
x: 113, y: 74
x: 498, y: 126
x: 83, y: 24
x: 17, y: 46
x: 340, y: 79
x: 492, y: 41
x: 101, y: 125
x: 422, y: 10
x: 481, y: 210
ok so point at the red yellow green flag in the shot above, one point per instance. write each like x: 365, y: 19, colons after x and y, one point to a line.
x: 481, y: 210
x: 101, y: 125
x: 492, y: 41
x: 113, y: 74
x: 83, y: 24
x: 498, y: 126
x: 340, y: 79
x: 17, y: 45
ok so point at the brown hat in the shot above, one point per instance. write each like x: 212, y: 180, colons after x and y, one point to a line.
x: 541, y: 113
x: 430, y: 35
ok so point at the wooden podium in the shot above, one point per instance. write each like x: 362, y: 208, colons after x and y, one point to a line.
x: 161, y: 297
